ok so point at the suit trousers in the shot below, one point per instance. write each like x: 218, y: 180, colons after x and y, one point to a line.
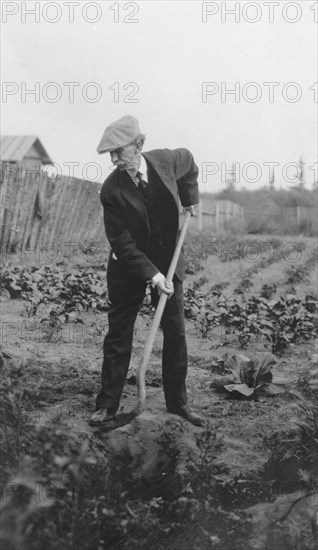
x: 126, y: 299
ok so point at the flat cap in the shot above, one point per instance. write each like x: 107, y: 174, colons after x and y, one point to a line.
x: 118, y: 134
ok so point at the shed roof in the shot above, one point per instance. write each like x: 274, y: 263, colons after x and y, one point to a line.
x: 15, y: 148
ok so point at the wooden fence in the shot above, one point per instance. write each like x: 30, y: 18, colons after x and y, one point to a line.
x: 287, y: 219
x: 36, y: 210
x: 218, y: 214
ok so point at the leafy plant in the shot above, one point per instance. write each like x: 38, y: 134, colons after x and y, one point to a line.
x: 244, y: 285
x: 61, y: 313
x: 15, y: 398
x: 268, y: 291
x: 251, y: 376
x: 296, y: 274
x: 193, y: 254
x: 217, y: 289
x: 25, y: 498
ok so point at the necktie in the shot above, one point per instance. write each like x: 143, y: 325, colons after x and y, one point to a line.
x: 143, y: 187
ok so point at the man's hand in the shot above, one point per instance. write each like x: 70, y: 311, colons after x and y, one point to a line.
x: 165, y: 286
x: 192, y: 209
x: 160, y: 282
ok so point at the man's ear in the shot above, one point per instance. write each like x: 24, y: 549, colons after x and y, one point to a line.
x: 138, y: 145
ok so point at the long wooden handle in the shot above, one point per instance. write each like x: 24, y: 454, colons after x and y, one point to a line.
x: 141, y: 372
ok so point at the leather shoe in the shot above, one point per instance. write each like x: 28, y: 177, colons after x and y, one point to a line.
x: 100, y: 416
x: 185, y: 412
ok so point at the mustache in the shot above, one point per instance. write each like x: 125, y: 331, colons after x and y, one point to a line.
x: 126, y: 165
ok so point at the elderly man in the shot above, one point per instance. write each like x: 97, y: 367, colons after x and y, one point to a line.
x: 141, y: 201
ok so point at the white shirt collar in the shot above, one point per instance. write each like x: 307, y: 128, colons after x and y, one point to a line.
x: 143, y: 169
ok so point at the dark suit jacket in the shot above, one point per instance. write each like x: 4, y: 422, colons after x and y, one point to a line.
x: 125, y: 216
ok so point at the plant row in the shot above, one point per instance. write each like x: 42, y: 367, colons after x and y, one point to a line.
x: 79, y: 289
x: 281, y: 321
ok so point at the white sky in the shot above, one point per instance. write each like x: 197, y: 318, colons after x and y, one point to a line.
x: 168, y: 53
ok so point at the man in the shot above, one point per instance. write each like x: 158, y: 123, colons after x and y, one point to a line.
x: 141, y: 201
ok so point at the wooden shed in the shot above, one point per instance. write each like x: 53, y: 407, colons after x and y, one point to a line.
x: 21, y: 193
x: 24, y: 149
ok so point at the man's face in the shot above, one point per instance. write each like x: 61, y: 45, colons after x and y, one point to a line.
x: 127, y: 158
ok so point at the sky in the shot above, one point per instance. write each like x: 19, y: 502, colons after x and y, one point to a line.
x: 170, y: 65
